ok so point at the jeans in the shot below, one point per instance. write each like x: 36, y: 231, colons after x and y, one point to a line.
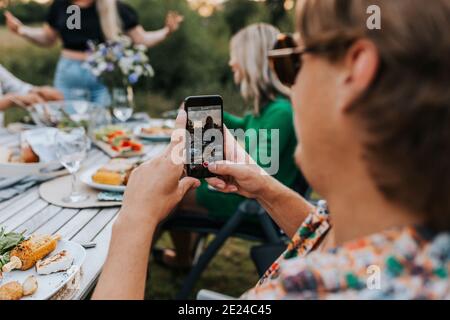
x: 72, y: 76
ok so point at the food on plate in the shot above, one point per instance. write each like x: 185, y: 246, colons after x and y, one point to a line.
x: 116, y: 172
x: 61, y: 261
x: 16, y: 291
x: 27, y: 154
x: 119, y: 140
x: 13, y: 264
x: 8, y: 241
x: 11, y: 291
x: 30, y: 286
x: 24, y: 155
x: 31, y: 251
x: 157, y: 131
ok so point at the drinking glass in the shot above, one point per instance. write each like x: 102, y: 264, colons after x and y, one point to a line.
x: 122, y: 103
x: 71, y: 150
x: 79, y: 100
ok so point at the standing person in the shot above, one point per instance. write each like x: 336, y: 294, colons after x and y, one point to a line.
x: 271, y: 110
x: 101, y: 20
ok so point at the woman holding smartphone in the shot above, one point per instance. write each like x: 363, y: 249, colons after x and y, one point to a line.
x: 272, y: 110
x: 101, y: 20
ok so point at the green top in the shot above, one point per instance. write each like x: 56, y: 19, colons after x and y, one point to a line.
x: 276, y: 115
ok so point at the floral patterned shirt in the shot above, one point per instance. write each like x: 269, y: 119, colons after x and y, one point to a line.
x: 406, y: 263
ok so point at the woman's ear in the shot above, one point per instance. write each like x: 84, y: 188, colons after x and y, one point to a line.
x: 360, y: 67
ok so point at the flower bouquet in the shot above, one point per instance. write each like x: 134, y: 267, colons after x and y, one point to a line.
x: 119, y: 63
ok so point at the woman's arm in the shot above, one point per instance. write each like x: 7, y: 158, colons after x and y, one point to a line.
x: 240, y: 174
x: 44, y: 36
x: 153, y: 191
x: 151, y: 38
x: 148, y: 38
x: 234, y: 122
x: 5, y: 103
x: 21, y: 100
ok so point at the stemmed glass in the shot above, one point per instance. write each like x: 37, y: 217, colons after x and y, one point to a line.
x: 122, y: 103
x: 79, y: 103
x: 71, y: 150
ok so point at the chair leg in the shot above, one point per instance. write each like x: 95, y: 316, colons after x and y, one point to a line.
x: 199, y: 247
x: 209, y: 254
x: 267, y: 225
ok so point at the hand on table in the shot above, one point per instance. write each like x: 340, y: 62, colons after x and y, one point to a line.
x: 157, y: 186
x: 48, y: 93
x: 25, y: 100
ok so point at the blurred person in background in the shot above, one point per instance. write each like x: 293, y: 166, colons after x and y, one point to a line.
x: 15, y: 92
x: 272, y: 109
x: 372, y: 114
x: 101, y: 20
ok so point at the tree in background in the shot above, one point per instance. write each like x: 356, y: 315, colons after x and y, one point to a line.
x: 276, y: 10
x: 237, y: 13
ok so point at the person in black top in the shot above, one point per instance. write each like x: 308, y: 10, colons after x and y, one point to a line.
x: 101, y: 20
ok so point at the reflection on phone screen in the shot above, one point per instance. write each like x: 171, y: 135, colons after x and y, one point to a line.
x: 206, y: 138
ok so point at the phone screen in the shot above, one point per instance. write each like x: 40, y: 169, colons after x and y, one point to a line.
x: 205, y: 128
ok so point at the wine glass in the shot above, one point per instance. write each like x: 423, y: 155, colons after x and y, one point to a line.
x: 122, y: 104
x: 71, y: 150
x: 79, y: 100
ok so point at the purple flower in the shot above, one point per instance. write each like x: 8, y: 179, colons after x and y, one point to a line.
x: 133, y: 78
x: 137, y: 57
x: 110, y: 67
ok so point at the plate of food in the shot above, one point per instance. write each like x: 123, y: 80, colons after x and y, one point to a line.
x: 118, y: 142
x: 38, y: 267
x: 33, y: 156
x: 156, y: 131
x: 112, y: 176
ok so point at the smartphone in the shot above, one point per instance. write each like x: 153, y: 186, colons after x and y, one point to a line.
x: 205, y: 139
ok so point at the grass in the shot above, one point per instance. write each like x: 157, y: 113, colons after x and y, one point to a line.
x: 231, y: 272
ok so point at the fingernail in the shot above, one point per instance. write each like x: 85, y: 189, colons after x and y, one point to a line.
x: 221, y: 185
x: 234, y: 189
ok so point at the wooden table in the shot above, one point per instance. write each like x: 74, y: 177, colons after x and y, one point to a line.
x: 29, y: 212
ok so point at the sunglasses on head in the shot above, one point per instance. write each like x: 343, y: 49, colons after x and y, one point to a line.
x: 286, y: 57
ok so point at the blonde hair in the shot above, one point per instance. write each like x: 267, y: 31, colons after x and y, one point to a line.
x: 109, y: 18
x: 250, y: 47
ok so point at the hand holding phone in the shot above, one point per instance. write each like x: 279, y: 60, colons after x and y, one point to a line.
x: 205, y: 140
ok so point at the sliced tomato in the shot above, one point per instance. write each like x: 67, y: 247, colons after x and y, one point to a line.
x: 135, y: 146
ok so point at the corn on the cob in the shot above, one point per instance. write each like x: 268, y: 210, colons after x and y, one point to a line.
x: 34, y: 249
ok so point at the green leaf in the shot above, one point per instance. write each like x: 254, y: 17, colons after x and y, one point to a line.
x: 9, y: 241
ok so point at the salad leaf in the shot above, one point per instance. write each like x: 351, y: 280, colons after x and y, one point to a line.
x: 8, y: 241
x: 4, y: 259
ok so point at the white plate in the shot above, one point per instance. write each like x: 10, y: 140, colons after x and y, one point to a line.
x: 86, y: 178
x: 155, y: 137
x: 49, y: 285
